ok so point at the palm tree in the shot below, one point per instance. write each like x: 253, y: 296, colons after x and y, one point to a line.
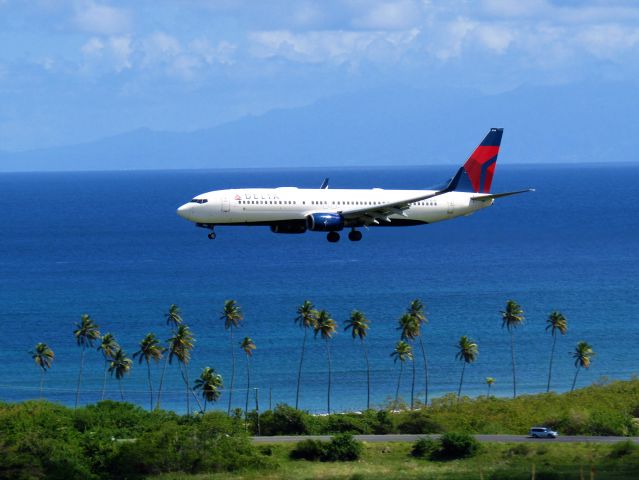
x: 358, y: 325
x: 489, y: 381
x: 43, y: 357
x: 467, y: 352
x: 85, y: 333
x: 108, y: 346
x: 409, y: 327
x: 174, y: 320
x: 511, y: 318
x: 248, y: 346
x: 150, y: 349
x: 306, y: 318
x: 402, y: 352
x: 180, y: 346
x: 120, y: 365
x: 210, y: 383
x: 556, y: 322
x: 416, y: 310
x: 582, y: 354
x: 232, y: 316
x: 326, y: 326
x: 173, y: 317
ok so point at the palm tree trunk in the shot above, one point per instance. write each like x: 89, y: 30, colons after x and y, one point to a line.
x: 166, y: 362
x: 368, y: 380
x: 421, y: 344
x: 106, y: 370
x: 461, y: 381
x: 512, y: 354
x: 412, y: 388
x: 41, y: 382
x: 574, y: 382
x: 228, y: 412
x: 121, y: 390
x: 185, y: 377
x: 248, y: 384
x: 148, y: 375
x: 328, y: 356
x: 488, y: 394
x: 552, y: 353
x: 399, y: 381
x: 299, y: 372
x: 77, y: 393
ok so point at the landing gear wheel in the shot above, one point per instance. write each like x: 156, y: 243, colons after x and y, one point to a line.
x: 212, y: 236
x: 332, y: 237
x: 355, y: 236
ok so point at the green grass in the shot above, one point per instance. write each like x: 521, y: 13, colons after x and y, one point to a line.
x: 499, y: 461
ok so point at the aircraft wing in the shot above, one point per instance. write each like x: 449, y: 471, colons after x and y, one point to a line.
x: 373, y: 214
x: 376, y: 213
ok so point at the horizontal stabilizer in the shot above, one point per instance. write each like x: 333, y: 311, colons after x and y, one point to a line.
x: 483, y: 198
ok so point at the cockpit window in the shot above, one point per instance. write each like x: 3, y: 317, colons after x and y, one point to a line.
x: 199, y: 200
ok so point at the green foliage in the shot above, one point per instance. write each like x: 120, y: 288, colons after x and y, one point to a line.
x: 110, y: 439
x: 418, y: 422
x: 310, y: 449
x: 341, y: 448
x: 621, y: 449
x: 424, y: 448
x: 283, y: 420
x: 457, y: 445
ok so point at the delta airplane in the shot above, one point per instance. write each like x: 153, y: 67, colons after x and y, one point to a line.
x: 296, y: 210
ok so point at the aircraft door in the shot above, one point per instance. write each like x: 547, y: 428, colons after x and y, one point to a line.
x: 451, y: 207
x: 226, y: 204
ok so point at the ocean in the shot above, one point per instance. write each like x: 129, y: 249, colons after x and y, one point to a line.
x: 111, y: 245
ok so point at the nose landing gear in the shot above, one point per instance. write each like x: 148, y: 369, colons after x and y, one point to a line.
x: 212, y: 236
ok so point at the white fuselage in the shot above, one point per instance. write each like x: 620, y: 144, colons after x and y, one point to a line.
x: 263, y: 206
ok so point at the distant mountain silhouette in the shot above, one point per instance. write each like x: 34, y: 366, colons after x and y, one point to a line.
x: 398, y: 126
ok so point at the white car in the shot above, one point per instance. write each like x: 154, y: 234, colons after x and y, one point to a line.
x: 542, y: 432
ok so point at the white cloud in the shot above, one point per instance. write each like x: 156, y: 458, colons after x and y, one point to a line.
x: 94, y: 46
x: 399, y: 15
x: 101, y: 19
x: 121, y: 50
x: 323, y: 46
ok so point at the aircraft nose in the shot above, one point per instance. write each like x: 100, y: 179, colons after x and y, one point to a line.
x: 184, y: 210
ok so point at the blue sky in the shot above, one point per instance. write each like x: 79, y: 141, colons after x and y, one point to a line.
x: 78, y: 70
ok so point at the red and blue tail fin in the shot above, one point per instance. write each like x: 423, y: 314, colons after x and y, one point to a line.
x: 477, y: 173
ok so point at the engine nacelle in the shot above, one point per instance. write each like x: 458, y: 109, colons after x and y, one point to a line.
x: 324, y: 222
x: 288, y: 228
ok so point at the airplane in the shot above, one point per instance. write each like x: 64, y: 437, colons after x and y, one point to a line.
x: 291, y: 210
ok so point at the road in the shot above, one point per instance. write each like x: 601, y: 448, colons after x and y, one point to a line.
x: 481, y: 438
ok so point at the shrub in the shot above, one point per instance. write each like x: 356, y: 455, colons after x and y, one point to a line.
x: 308, y: 450
x: 342, y: 448
x: 284, y: 420
x: 346, y: 424
x: 384, y: 424
x: 424, y: 448
x: 621, y: 449
x: 419, y: 422
x: 457, y: 445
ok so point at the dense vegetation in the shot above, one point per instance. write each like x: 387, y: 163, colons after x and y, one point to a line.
x: 119, y: 440
x: 602, y: 409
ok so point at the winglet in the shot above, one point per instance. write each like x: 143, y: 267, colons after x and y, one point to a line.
x: 324, y: 185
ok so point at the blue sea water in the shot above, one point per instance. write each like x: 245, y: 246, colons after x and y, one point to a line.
x: 110, y: 244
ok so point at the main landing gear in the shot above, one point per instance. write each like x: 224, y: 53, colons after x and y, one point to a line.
x: 212, y: 236
x: 353, y: 236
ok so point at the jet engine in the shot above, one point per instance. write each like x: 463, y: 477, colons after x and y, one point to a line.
x: 324, y: 222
